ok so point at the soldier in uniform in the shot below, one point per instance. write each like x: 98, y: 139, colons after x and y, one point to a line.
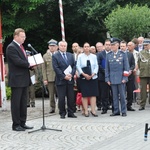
x: 144, y: 67
x: 31, y: 88
x: 48, y: 72
x: 116, y: 75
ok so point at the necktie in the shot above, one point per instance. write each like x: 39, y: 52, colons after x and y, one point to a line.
x: 22, y: 48
x: 65, y: 58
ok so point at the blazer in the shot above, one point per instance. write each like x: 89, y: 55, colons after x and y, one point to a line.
x: 18, y: 66
x: 101, y: 57
x: 60, y: 65
x: 131, y: 61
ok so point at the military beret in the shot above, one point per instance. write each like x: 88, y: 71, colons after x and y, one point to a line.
x: 146, y: 41
x: 115, y: 40
x: 52, y: 42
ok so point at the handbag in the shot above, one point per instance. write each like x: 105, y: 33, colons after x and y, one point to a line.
x: 79, y: 99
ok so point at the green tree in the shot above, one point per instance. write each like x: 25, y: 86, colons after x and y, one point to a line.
x: 128, y: 22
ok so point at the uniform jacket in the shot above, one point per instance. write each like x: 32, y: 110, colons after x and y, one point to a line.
x: 115, y: 66
x: 47, y: 68
x: 144, y: 63
x: 60, y: 65
x: 18, y: 75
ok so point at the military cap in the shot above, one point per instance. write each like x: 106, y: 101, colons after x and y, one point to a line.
x: 52, y: 42
x: 146, y: 41
x: 115, y: 40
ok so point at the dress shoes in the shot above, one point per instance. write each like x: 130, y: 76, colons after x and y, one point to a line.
x: 104, y: 112
x: 18, y: 128
x: 130, y: 109
x: 118, y: 114
x: 141, y: 108
x: 62, y: 116
x: 86, y: 115
x: 124, y: 114
x: 52, y: 111
x: 72, y: 116
x: 26, y: 127
x: 94, y: 115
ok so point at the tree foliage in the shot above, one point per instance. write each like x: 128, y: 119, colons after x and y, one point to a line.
x: 128, y: 22
x: 84, y: 20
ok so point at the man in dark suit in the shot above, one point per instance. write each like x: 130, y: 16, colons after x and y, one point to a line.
x: 18, y: 80
x: 130, y: 84
x: 64, y: 81
x: 104, y: 88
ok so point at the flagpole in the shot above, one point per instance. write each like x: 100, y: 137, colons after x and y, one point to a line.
x: 2, y: 71
x: 62, y: 20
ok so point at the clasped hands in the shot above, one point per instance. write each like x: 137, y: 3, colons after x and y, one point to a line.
x: 88, y: 77
x: 68, y: 77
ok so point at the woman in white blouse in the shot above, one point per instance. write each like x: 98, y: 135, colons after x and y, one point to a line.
x: 87, y: 67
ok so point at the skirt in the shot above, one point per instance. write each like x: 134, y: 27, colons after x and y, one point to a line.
x: 89, y: 88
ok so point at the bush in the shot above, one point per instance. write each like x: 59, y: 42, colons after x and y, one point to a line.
x: 129, y: 22
x: 8, y: 93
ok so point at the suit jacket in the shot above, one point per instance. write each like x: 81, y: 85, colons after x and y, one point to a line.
x: 18, y: 74
x: 47, y: 68
x: 115, y: 66
x: 131, y: 61
x: 60, y: 65
x: 101, y: 57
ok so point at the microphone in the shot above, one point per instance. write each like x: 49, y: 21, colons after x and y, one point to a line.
x: 146, y: 131
x: 29, y: 45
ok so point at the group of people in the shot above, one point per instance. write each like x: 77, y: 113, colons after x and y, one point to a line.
x: 106, y: 77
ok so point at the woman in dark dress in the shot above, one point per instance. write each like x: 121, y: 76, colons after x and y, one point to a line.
x: 87, y: 67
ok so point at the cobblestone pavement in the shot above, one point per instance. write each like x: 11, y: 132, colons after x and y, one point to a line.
x: 82, y: 133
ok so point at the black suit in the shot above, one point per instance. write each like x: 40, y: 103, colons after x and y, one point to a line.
x: 104, y: 88
x: 64, y: 87
x: 130, y: 84
x: 18, y: 80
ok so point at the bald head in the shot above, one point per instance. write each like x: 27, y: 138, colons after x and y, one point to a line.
x: 131, y: 46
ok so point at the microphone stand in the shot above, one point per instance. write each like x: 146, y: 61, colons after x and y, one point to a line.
x: 43, y: 128
x: 146, y: 131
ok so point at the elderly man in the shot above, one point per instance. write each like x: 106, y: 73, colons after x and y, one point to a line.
x: 116, y: 70
x: 64, y: 67
x: 48, y: 72
x: 144, y: 67
x: 99, y: 46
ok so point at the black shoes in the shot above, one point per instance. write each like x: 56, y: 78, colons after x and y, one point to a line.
x: 94, y: 115
x: 52, y: 111
x: 104, y: 112
x: 62, y: 116
x: 69, y: 115
x: 124, y: 115
x: 18, y: 128
x: 141, y: 108
x: 130, y: 109
x: 72, y: 116
x: 118, y: 114
x: 26, y: 127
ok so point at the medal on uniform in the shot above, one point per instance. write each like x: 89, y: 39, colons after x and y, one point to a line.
x: 114, y: 56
